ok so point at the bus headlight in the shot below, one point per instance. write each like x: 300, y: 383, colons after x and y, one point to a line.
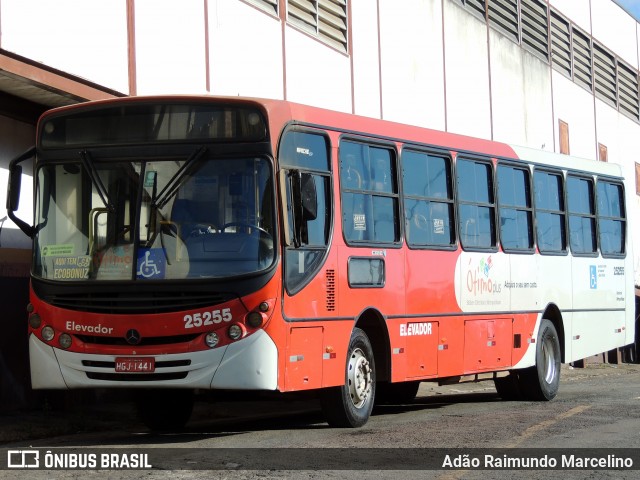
x: 235, y: 331
x: 65, y: 340
x: 211, y: 339
x: 48, y: 333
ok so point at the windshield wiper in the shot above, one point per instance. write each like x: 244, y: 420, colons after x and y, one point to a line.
x: 178, y: 179
x: 87, y: 161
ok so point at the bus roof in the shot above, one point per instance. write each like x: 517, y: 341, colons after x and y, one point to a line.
x: 282, y: 113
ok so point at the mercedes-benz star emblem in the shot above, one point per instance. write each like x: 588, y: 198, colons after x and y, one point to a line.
x: 132, y: 337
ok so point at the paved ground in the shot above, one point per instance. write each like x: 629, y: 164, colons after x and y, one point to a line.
x: 112, y: 410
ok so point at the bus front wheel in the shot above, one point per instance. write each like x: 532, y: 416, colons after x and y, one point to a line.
x: 350, y: 405
x: 541, y: 382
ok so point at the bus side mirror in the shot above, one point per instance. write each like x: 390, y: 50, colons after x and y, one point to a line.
x: 13, y: 193
x: 308, y: 197
x: 305, y: 204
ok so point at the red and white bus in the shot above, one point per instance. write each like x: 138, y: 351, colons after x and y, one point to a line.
x: 185, y: 243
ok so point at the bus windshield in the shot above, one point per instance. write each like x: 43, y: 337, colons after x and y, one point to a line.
x: 154, y: 219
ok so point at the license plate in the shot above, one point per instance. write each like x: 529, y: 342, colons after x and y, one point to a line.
x: 135, y: 365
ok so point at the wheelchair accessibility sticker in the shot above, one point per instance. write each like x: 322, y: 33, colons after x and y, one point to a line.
x: 593, y: 274
x: 151, y: 263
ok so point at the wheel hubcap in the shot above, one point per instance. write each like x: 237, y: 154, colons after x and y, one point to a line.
x: 549, y: 356
x: 359, y: 378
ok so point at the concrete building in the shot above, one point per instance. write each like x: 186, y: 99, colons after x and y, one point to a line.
x: 558, y: 75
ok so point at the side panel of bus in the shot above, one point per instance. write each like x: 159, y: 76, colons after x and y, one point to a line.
x: 446, y: 311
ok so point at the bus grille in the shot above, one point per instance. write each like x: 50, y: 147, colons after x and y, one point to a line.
x: 136, y: 302
x: 136, y: 377
x: 144, y: 341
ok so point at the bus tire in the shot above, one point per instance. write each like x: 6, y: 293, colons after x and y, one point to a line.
x: 350, y: 405
x: 541, y: 382
x: 396, y: 393
x: 164, y: 410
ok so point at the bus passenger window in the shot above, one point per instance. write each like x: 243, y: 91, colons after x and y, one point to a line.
x: 611, y: 218
x: 428, y: 199
x: 516, y: 213
x: 550, y: 212
x: 582, y: 218
x: 369, y: 193
x: 476, y: 205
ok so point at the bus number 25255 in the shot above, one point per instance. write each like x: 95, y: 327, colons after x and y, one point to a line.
x: 207, y: 318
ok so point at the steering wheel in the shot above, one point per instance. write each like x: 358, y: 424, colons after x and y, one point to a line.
x: 203, y: 229
x: 245, y: 225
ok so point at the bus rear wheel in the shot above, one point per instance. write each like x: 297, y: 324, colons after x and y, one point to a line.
x: 541, y: 382
x: 164, y: 410
x: 350, y: 405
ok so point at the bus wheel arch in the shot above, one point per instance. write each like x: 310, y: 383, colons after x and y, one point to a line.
x: 373, y: 324
x: 350, y: 404
x: 542, y: 380
x: 553, y: 314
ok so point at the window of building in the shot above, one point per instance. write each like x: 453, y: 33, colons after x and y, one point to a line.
x: 560, y: 44
x: 503, y: 15
x: 477, y: 7
x: 369, y: 193
x: 326, y: 19
x: 611, y: 218
x: 544, y: 32
x: 582, y: 215
x: 582, y: 62
x: 476, y: 204
x: 563, y: 130
x: 428, y: 199
x: 628, y: 90
x: 525, y: 23
x: 516, y: 212
x: 550, y: 212
x: 535, y: 28
x: 270, y: 6
x: 605, y: 75
x: 602, y: 153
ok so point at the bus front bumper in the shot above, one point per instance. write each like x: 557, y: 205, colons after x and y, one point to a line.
x: 248, y: 364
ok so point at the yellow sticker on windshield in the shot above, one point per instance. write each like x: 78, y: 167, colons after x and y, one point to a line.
x: 57, y: 250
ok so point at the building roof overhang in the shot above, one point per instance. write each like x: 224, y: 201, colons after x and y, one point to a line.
x: 28, y: 88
